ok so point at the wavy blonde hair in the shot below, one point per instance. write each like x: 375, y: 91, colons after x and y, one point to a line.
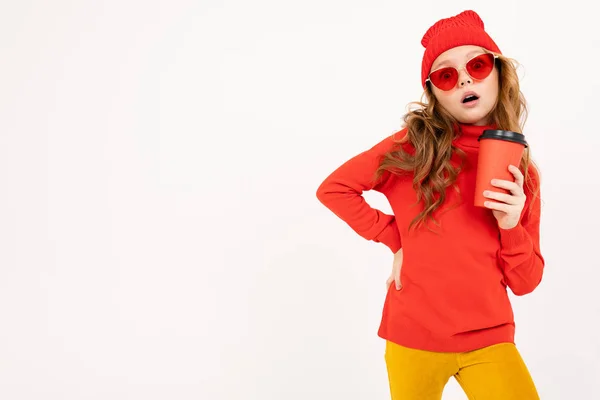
x: 431, y: 133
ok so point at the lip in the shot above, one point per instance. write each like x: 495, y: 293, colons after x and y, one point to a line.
x: 469, y: 93
x: 471, y: 104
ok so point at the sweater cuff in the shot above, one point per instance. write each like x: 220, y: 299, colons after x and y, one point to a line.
x: 390, y: 236
x: 514, y: 238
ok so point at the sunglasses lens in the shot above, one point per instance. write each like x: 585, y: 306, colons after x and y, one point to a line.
x: 481, y: 66
x: 445, y: 78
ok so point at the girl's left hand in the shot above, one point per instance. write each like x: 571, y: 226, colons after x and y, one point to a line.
x: 507, y: 209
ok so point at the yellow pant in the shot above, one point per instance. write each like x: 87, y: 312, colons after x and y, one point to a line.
x: 494, y: 372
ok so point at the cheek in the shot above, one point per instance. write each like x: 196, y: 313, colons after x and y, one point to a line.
x: 492, y: 84
x: 493, y: 94
x: 490, y: 91
x: 446, y: 99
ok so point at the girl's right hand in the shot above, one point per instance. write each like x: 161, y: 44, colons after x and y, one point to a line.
x: 396, y: 268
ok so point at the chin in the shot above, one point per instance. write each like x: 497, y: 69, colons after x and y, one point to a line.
x: 478, y: 118
x: 470, y: 121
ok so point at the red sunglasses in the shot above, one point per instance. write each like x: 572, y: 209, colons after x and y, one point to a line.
x: 478, y: 67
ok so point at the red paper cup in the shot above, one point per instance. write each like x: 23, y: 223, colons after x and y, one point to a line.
x: 497, y: 150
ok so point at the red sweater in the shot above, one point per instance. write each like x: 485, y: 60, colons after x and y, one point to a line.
x: 454, y: 282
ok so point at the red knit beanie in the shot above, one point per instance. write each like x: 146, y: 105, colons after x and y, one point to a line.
x: 465, y: 28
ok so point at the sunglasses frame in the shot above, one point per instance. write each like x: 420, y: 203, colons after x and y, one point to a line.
x: 465, y: 68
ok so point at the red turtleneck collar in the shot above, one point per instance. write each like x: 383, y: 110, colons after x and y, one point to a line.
x: 468, y: 134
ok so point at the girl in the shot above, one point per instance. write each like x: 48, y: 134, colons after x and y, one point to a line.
x: 448, y: 312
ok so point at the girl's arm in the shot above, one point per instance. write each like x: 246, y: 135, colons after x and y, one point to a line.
x: 341, y: 192
x: 520, y: 255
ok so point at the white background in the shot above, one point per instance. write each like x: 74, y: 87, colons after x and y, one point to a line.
x: 160, y: 237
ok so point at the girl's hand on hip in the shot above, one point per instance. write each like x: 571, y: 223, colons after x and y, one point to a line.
x: 508, y: 207
x: 396, y: 268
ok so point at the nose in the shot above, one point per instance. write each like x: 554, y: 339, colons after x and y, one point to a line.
x: 464, y: 78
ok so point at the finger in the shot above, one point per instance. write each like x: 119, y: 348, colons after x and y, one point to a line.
x: 502, y: 197
x: 519, y: 178
x: 388, y: 282
x: 499, y: 206
x: 397, y: 279
x: 513, y: 187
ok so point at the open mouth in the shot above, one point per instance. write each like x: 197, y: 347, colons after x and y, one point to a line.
x: 469, y: 98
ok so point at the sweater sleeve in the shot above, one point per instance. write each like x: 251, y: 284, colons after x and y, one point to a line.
x: 520, y: 255
x: 341, y: 192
